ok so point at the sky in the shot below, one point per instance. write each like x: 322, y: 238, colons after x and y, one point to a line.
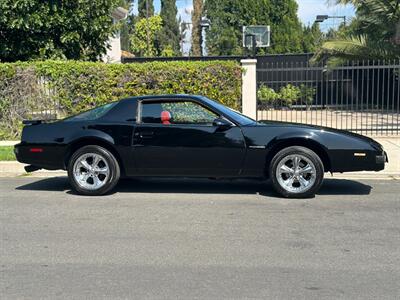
x: 308, y: 10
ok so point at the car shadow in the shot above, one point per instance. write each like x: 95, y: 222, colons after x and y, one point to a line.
x: 201, y: 186
x: 333, y: 186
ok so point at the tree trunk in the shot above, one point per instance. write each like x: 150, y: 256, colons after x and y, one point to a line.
x: 145, y: 7
x: 197, y: 39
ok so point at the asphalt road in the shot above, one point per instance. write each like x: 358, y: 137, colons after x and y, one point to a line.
x: 172, y: 239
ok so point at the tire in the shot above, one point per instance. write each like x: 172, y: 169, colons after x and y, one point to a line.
x: 302, y: 181
x: 93, y: 180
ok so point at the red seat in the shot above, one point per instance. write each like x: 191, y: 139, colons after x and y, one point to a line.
x: 165, y: 117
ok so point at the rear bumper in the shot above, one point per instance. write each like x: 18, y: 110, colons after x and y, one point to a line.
x: 50, y: 157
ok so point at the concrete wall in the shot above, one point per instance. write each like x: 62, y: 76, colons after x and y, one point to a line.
x: 249, y: 88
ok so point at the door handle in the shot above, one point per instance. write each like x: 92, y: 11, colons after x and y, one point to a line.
x: 146, y: 134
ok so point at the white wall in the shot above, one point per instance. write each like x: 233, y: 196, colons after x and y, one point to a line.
x: 113, y: 54
x: 249, y: 88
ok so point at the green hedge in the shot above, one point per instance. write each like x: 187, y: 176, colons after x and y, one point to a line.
x: 63, y: 88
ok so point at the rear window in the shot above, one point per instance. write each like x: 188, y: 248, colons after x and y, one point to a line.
x: 92, y: 114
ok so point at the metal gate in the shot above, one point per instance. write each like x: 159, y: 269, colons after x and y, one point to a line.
x: 360, y: 96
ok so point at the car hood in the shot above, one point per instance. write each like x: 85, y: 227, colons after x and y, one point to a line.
x: 318, y: 128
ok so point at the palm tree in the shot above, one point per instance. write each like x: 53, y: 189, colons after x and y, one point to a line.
x: 373, y: 34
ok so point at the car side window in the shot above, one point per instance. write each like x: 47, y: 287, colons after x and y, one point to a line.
x: 177, y: 112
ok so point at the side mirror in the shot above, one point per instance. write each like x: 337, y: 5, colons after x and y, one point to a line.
x: 222, y: 123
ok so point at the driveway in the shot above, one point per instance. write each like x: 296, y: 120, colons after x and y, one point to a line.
x: 187, y: 239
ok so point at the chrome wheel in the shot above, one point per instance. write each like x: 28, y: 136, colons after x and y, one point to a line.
x: 296, y: 173
x: 91, y: 171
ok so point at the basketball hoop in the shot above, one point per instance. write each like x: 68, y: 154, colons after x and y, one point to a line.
x: 261, y: 33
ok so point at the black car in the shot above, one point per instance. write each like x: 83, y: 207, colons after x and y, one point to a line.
x: 191, y: 136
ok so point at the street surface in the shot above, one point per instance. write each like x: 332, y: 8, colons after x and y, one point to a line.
x: 185, y: 239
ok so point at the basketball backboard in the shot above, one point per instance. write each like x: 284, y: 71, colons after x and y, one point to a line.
x: 262, y: 34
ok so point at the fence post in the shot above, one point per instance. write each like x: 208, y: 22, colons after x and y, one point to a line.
x: 249, y: 88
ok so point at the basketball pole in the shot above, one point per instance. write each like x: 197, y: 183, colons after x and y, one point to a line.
x: 253, y: 44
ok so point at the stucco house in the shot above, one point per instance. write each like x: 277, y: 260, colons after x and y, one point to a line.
x: 113, y: 54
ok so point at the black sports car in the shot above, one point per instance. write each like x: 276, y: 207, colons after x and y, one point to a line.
x: 191, y: 136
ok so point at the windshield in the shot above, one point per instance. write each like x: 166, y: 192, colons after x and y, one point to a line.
x: 92, y: 114
x: 233, y: 114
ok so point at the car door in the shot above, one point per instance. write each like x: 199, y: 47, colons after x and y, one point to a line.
x: 177, y: 137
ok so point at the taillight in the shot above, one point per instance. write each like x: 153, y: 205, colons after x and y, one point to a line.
x: 36, y: 150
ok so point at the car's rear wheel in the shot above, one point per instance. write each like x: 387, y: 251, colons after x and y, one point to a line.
x: 93, y: 170
x: 296, y: 172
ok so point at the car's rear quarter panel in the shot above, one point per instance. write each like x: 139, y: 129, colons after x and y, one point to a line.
x: 50, y: 139
x: 60, y: 139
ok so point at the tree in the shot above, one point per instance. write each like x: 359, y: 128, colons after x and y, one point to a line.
x: 183, y: 31
x: 35, y: 29
x: 373, y: 34
x: 151, y: 26
x: 312, y: 38
x: 229, y: 16
x: 196, y: 27
x: 286, y: 28
x: 169, y: 36
x: 142, y: 7
x: 127, y: 25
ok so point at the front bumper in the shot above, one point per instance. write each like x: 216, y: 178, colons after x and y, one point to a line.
x: 382, y: 159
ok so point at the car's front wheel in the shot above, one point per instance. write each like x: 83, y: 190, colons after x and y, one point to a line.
x: 93, y: 170
x: 296, y: 172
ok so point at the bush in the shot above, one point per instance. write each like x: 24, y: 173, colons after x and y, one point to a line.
x: 267, y: 95
x: 307, y: 94
x: 289, y: 94
x: 62, y: 88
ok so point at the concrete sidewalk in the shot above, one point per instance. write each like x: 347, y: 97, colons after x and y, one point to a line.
x: 390, y: 144
x: 8, y: 143
x: 392, y: 148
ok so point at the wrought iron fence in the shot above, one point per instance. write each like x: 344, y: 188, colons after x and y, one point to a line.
x: 25, y: 96
x: 360, y: 96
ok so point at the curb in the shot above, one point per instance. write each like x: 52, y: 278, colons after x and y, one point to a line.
x: 364, y: 176
x: 16, y: 169
x: 8, y: 143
